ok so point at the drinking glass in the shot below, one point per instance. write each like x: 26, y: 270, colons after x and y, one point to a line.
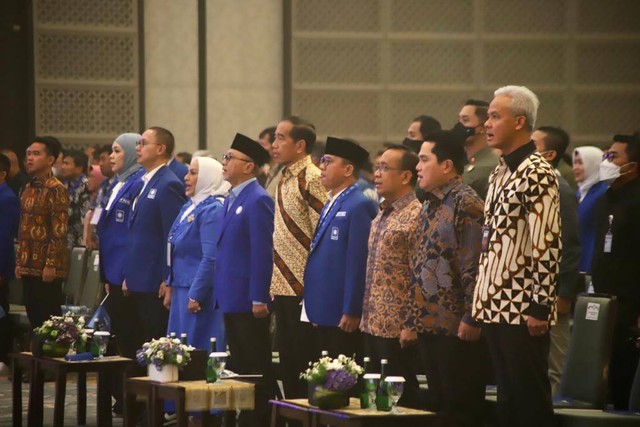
x: 101, y: 338
x: 218, y: 361
x: 395, y: 387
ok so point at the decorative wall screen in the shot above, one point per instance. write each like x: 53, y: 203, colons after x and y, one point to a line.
x: 86, y: 69
x: 366, y: 68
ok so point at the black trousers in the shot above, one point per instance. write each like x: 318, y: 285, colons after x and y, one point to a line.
x: 123, y: 313
x: 402, y: 362
x: 455, y: 379
x: 521, y: 368
x: 294, y: 339
x: 42, y: 299
x: 250, y: 347
x: 6, y: 326
x: 336, y: 342
x: 152, y: 316
x: 624, y: 355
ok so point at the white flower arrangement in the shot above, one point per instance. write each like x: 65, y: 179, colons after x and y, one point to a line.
x: 164, y: 351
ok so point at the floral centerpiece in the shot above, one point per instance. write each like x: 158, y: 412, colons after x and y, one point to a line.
x: 330, y: 381
x: 59, y: 333
x: 163, y: 357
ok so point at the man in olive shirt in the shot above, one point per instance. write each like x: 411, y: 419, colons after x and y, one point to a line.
x: 482, y: 159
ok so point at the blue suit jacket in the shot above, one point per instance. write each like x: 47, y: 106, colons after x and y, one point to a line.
x: 193, y: 248
x: 113, y: 229
x: 335, y: 274
x: 179, y: 170
x: 156, y: 209
x: 9, y: 219
x: 244, y: 261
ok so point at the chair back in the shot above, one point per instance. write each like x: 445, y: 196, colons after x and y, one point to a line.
x: 587, y: 365
x: 92, y: 285
x: 75, y: 278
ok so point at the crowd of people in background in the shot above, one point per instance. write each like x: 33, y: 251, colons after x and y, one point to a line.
x: 456, y: 253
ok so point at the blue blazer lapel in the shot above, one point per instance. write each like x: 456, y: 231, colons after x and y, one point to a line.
x: 330, y: 215
x: 143, y: 195
x: 237, y: 203
x: 127, y: 184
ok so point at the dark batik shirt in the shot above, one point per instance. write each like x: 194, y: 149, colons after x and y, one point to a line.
x: 445, y: 263
x: 79, y: 202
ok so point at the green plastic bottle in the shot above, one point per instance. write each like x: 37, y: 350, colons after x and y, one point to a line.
x: 212, y: 377
x: 364, y: 394
x: 383, y: 402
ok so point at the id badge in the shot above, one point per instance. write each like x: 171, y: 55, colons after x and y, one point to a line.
x: 486, y: 235
x: 97, y: 213
x: 168, y: 254
x: 608, y: 241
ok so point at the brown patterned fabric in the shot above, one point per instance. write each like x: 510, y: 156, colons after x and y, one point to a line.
x: 518, y: 274
x: 299, y: 201
x: 391, y: 246
x: 42, y: 236
x: 445, y: 264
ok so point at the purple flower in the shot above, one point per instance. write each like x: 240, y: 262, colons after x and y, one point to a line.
x: 340, y: 380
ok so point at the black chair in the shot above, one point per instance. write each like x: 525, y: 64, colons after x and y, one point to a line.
x: 92, y: 286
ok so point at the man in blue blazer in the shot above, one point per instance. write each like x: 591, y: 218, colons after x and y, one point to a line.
x: 334, y: 278
x: 9, y: 219
x: 178, y: 169
x: 244, y: 265
x: 153, y: 211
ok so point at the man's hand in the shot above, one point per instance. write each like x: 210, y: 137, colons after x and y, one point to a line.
x: 193, y: 306
x: 166, y: 297
x: 349, y: 323
x: 408, y: 338
x: 106, y: 288
x: 125, y: 290
x: 48, y: 274
x: 162, y: 290
x: 537, y: 327
x: 469, y: 333
x: 563, y: 305
x: 18, y: 272
x: 260, y: 311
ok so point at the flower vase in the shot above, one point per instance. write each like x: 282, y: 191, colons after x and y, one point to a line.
x: 54, y: 349
x: 327, y: 399
x: 166, y: 373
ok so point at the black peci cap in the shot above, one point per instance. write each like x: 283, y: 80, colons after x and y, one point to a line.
x: 346, y: 149
x: 251, y: 148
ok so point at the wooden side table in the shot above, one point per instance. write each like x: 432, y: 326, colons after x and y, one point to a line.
x: 351, y: 416
x: 21, y: 362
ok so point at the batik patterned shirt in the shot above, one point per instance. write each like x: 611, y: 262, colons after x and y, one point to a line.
x: 445, y: 264
x: 517, y: 275
x: 42, y: 236
x: 79, y: 202
x: 391, y: 247
x: 299, y: 200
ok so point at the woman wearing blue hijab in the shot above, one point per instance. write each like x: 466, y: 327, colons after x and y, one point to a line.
x: 192, y: 253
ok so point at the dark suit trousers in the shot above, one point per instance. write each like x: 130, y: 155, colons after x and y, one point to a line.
x: 295, y: 344
x: 250, y: 347
x: 455, y: 378
x: 521, y: 367
x: 42, y: 299
x: 624, y: 355
x: 402, y: 362
x: 336, y: 342
x: 152, y: 316
x: 6, y: 327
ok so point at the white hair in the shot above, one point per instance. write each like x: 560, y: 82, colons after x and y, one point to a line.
x: 523, y: 102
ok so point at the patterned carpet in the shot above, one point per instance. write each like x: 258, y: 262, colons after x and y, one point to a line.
x: 70, y: 402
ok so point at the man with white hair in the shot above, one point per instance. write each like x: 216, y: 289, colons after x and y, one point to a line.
x: 515, y: 294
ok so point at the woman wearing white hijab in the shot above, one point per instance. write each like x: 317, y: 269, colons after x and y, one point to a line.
x: 586, y: 165
x: 191, y: 257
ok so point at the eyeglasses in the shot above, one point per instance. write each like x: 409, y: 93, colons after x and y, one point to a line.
x: 324, y: 160
x: 227, y: 156
x: 143, y: 142
x: 386, y: 168
x: 609, y: 155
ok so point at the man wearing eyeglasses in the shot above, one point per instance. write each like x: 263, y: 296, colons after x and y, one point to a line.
x: 334, y: 277
x: 391, y: 248
x: 153, y: 211
x: 615, y: 266
x: 244, y: 264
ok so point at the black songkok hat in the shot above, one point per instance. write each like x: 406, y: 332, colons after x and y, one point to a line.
x: 627, y: 139
x: 251, y: 148
x: 349, y: 150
